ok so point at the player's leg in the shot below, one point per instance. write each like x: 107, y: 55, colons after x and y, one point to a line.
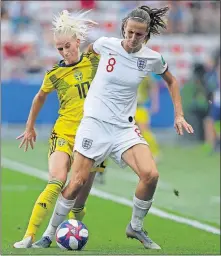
x: 59, y: 164
x: 80, y: 173
x: 140, y: 159
x: 58, y: 168
x: 79, y: 210
x: 76, y: 212
x: 133, y: 150
x: 92, y: 140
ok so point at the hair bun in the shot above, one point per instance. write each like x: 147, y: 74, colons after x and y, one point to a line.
x: 65, y: 13
x: 65, y: 16
x: 76, y: 24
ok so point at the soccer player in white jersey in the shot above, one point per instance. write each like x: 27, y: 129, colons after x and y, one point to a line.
x: 108, y: 127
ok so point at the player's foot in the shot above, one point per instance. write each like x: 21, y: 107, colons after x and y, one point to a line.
x: 142, y: 237
x: 44, y: 242
x: 25, y: 243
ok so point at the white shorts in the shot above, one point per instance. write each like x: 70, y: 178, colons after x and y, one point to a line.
x: 98, y: 140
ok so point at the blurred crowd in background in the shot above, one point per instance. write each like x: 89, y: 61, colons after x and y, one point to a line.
x: 27, y: 47
x: 27, y: 41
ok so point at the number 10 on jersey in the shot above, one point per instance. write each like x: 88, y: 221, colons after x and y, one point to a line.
x: 81, y: 89
x: 111, y: 63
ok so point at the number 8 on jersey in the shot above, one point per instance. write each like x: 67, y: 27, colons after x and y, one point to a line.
x: 111, y: 63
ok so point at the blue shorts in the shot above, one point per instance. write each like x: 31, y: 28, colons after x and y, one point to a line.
x: 215, y: 112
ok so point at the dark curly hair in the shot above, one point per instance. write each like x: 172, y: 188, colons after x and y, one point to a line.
x: 153, y: 18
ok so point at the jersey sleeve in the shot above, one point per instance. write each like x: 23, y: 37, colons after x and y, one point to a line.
x: 94, y: 58
x: 98, y: 44
x: 159, y: 65
x: 47, y: 85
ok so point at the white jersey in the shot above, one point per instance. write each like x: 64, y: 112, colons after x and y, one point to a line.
x: 113, y: 93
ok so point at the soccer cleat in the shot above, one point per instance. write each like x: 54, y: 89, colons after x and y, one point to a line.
x: 25, y: 243
x: 141, y: 236
x: 44, y: 242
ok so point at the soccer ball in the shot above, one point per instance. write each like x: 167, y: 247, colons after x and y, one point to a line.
x: 71, y: 235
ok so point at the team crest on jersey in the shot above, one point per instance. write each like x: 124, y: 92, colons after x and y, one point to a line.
x: 78, y: 75
x: 61, y: 142
x: 87, y: 143
x: 141, y: 63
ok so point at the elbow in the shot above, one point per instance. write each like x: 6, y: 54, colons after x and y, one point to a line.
x: 40, y: 97
x: 172, y: 82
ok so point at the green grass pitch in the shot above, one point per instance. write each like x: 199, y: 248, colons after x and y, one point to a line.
x: 107, y: 220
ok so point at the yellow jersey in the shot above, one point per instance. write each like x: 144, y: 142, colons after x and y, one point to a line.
x: 143, y: 90
x: 142, y: 115
x: 71, y: 83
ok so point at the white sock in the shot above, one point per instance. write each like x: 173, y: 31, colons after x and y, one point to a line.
x: 62, y: 208
x: 140, y: 209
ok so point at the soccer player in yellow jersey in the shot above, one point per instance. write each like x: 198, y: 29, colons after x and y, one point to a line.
x: 147, y: 90
x: 71, y: 78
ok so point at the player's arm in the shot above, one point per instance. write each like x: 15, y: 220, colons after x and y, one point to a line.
x: 174, y: 92
x: 37, y: 104
x: 29, y: 135
x: 173, y: 87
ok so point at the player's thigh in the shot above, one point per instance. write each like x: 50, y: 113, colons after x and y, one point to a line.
x: 59, y: 165
x: 133, y: 150
x: 59, y: 158
x: 125, y: 138
x: 81, y: 168
x: 140, y: 159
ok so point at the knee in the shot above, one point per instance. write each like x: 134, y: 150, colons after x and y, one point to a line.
x: 59, y: 165
x: 62, y: 177
x: 59, y: 176
x: 149, y: 175
x: 58, y: 173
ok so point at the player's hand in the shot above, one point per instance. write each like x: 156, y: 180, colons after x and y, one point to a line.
x: 28, y: 138
x: 180, y: 123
